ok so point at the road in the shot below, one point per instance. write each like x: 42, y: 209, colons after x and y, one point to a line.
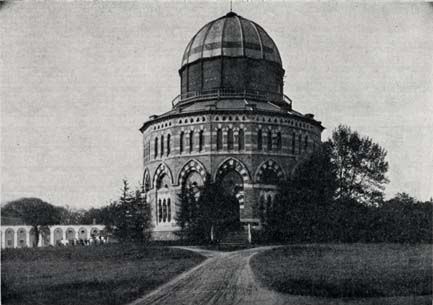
x: 226, y: 278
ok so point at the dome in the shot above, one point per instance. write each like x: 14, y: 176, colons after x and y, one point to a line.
x: 231, y: 36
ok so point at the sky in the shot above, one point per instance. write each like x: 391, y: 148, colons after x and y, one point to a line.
x: 78, y: 79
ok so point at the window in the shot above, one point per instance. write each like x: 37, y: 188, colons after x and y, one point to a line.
x: 156, y: 148
x: 241, y: 141
x: 306, y: 143
x: 181, y: 140
x: 299, y: 144
x: 219, y: 139
x: 269, y: 140
x: 259, y: 140
x: 191, y: 141
x: 279, y: 143
x: 168, y: 144
x: 159, y: 211
x: 168, y: 210
x: 200, y: 140
x: 162, y: 146
x: 164, y: 211
x: 293, y: 143
x: 230, y: 139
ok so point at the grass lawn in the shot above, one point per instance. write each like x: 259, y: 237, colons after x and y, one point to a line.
x: 347, y: 270
x: 108, y: 274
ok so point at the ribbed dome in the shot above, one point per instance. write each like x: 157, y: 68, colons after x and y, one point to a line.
x: 233, y: 36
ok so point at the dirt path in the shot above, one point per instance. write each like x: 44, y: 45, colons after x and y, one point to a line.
x: 226, y: 278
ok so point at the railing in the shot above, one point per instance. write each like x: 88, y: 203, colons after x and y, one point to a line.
x: 191, y: 96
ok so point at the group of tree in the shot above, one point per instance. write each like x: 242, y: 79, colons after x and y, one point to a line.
x: 126, y: 219
x: 336, y: 194
x: 206, y: 213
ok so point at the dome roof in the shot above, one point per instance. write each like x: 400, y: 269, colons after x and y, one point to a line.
x: 233, y: 36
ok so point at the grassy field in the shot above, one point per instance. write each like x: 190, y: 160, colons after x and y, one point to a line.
x: 108, y: 274
x: 347, y: 270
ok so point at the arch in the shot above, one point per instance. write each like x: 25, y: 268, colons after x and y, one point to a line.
x: 32, y: 238
x: 21, y: 238
x: 70, y: 234
x: 94, y: 232
x: 146, y: 180
x: 162, y: 170
x: 82, y: 233
x: 190, y: 166
x: 58, y: 236
x: 10, y: 238
x: 269, y: 167
x: 233, y: 164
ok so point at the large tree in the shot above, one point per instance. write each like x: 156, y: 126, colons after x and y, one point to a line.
x: 206, y: 213
x: 129, y: 217
x: 34, y: 212
x: 361, y: 166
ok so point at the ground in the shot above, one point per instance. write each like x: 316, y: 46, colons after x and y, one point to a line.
x: 108, y: 274
x: 227, y: 278
x: 223, y: 278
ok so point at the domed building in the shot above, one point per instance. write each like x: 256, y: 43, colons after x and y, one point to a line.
x: 231, y: 123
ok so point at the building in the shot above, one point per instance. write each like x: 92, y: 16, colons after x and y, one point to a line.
x: 23, y: 236
x: 231, y: 122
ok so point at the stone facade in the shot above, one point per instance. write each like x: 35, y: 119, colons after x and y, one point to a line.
x: 236, y: 127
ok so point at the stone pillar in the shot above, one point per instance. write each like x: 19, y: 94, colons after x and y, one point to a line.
x: 40, y: 240
x: 52, y: 236
x: 28, y: 237
x: 16, y: 239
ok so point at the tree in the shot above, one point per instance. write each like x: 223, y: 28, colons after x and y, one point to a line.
x: 129, y: 218
x: 301, y: 211
x: 361, y: 166
x: 34, y: 212
x: 205, y: 213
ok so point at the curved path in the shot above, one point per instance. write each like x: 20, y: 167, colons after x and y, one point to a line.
x: 226, y: 278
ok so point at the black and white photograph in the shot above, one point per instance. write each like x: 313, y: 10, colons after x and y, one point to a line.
x: 227, y: 152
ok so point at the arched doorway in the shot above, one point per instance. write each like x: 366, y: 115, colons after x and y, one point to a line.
x: 21, y: 236
x: 10, y: 238
x: 70, y: 235
x: 32, y: 238
x: 232, y: 186
x: 163, y: 199
x: 58, y: 236
x: 82, y: 234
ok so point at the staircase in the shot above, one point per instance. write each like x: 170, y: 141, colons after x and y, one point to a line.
x: 235, y: 239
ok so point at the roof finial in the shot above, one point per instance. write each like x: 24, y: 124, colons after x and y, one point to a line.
x: 231, y: 6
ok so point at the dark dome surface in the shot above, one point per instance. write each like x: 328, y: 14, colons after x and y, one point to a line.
x: 232, y: 36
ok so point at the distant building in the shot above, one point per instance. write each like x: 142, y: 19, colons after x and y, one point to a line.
x: 19, y: 235
x: 231, y: 121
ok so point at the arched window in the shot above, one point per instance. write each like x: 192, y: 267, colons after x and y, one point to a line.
x: 162, y: 146
x: 293, y: 143
x: 230, y: 139
x: 164, y: 211
x: 259, y: 140
x: 269, y: 140
x: 159, y: 210
x: 200, y: 140
x: 219, y: 139
x: 279, y: 143
x: 241, y: 141
x: 191, y: 141
x: 156, y: 148
x: 181, y: 141
x: 168, y: 144
x: 169, y: 210
x: 299, y: 144
x: 305, y: 143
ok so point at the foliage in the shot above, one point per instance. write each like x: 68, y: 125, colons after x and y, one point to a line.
x: 206, y: 215
x: 129, y: 218
x: 361, y: 166
x: 35, y: 212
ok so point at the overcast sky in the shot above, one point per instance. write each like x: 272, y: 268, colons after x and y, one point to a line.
x: 79, y: 78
